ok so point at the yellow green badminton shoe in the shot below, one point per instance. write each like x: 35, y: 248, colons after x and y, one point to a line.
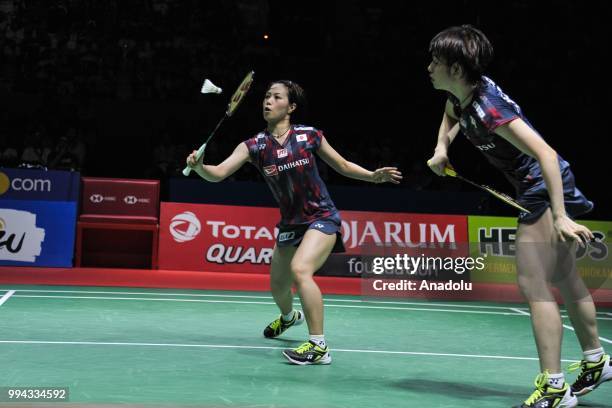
x: 591, y: 375
x: 278, y: 326
x: 545, y: 396
x: 308, y: 353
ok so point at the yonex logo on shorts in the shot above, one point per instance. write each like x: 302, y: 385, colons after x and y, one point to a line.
x: 285, y: 236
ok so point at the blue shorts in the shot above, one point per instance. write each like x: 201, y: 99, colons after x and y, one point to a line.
x: 534, y: 196
x: 292, y: 235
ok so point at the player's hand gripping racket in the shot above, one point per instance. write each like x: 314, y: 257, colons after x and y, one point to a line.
x: 231, y: 108
x: 449, y: 171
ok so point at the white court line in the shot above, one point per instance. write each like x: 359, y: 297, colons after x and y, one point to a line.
x: 6, y: 296
x: 420, y: 309
x: 520, y: 311
x: 224, y: 346
x: 567, y: 327
x: 431, y: 304
x: 327, y: 299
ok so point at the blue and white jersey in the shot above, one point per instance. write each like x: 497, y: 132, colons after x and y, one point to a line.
x: 490, y: 108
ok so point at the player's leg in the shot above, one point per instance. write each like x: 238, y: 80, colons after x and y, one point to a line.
x: 281, y: 281
x: 309, y: 257
x: 535, y: 258
x: 595, y: 365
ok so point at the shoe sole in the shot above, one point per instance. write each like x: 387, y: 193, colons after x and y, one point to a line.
x: 572, y: 403
x: 326, y: 359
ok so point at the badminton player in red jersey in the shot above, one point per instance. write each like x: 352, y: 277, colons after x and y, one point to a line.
x: 309, y: 229
x: 546, y: 236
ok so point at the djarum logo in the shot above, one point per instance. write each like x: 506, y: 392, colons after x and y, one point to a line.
x: 20, y: 239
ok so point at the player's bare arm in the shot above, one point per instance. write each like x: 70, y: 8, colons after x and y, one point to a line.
x: 355, y: 171
x: 220, y: 172
x: 529, y: 142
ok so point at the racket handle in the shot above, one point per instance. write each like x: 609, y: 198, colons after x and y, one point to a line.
x: 199, y: 153
x: 450, y: 172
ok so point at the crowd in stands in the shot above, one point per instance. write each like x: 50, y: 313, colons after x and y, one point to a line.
x: 87, y: 83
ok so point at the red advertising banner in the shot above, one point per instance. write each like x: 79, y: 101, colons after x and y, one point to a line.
x: 240, y: 239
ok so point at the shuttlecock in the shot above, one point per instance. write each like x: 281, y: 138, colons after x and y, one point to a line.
x: 209, y: 87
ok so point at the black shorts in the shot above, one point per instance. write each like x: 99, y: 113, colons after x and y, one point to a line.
x: 534, y: 196
x: 292, y: 235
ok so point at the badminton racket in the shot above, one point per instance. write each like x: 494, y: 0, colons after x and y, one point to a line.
x: 237, y: 97
x: 449, y: 171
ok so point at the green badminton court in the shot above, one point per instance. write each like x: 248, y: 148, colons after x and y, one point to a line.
x: 153, y: 347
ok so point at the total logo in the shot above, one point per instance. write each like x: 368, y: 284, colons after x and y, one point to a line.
x: 98, y: 198
x: 23, y: 184
x: 185, y: 227
x: 130, y: 199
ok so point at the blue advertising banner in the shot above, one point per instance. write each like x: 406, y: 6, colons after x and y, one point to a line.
x: 37, y: 233
x: 31, y: 185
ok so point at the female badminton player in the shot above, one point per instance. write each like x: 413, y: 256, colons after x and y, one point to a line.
x: 309, y: 229
x: 546, y: 237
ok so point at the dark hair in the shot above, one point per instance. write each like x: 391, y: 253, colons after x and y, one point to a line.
x: 466, y: 46
x: 295, y: 94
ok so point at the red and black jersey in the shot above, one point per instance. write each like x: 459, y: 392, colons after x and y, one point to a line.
x: 290, y: 170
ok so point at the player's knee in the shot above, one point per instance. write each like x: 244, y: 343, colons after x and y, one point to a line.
x: 301, y: 272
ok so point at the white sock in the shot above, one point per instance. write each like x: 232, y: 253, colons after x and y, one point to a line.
x: 556, y: 380
x: 318, y: 339
x: 289, y: 316
x: 593, y: 356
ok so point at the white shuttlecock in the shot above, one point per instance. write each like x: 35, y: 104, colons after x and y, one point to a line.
x: 209, y: 87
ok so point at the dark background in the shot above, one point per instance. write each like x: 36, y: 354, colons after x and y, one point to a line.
x: 111, y: 88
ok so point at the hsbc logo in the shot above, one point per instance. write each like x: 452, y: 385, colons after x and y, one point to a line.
x: 98, y: 198
x: 131, y: 200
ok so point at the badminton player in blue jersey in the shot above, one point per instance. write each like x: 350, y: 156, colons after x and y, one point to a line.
x: 547, y: 235
x: 309, y: 229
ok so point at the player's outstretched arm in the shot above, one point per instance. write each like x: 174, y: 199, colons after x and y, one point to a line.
x: 529, y: 142
x: 449, y: 128
x: 217, y: 173
x: 352, y: 170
